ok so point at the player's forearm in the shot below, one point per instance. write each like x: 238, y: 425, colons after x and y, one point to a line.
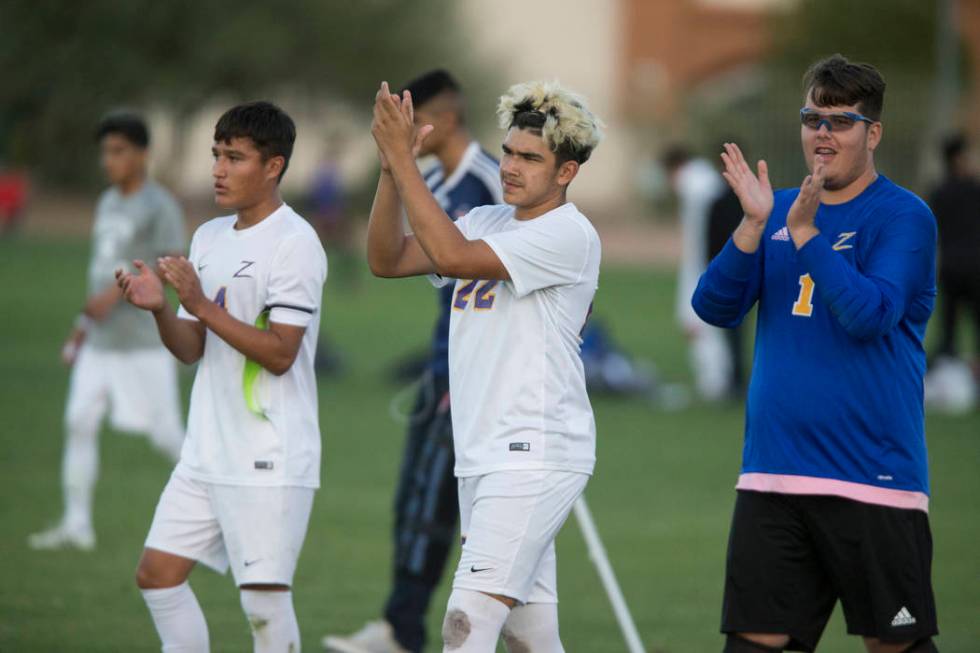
x: 440, y: 239
x: 180, y: 337
x: 728, y: 288
x: 99, y: 305
x: 802, y: 234
x: 748, y: 235
x: 264, y: 347
x: 866, y: 308
x: 386, y: 237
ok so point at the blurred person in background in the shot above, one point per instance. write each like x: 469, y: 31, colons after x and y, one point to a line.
x: 956, y: 203
x: 14, y: 192
x: 724, y: 215
x: 119, y: 368
x: 426, y: 506
x: 697, y: 185
x: 329, y: 214
x: 334, y: 226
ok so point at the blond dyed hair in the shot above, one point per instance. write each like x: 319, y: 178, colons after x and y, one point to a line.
x: 561, y: 117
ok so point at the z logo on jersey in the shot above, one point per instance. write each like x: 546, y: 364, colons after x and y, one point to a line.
x: 245, y: 265
x: 842, y: 238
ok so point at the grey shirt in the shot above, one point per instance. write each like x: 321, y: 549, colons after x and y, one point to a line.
x: 143, y: 225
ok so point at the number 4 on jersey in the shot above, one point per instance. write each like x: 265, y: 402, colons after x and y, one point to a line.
x: 219, y: 297
x: 803, y: 307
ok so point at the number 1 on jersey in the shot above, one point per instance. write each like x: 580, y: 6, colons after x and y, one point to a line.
x: 804, y: 303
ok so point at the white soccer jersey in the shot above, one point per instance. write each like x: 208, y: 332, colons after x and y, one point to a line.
x: 516, y: 378
x: 277, y: 266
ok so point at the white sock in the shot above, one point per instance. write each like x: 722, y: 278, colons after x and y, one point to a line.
x: 273, y: 621
x: 533, y: 627
x: 79, y: 471
x: 178, y: 618
x: 473, y: 622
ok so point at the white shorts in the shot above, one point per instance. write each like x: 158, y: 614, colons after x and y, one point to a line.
x: 257, y: 530
x: 509, y: 521
x: 139, y: 386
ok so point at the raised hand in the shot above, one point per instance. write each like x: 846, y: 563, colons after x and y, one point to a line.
x: 378, y: 97
x: 393, y: 127
x: 408, y: 109
x: 179, y: 273
x: 754, y: 192
x: 801, y: 219
x: 142, y: 290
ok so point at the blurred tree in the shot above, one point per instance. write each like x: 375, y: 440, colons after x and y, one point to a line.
x: 891, y: 34
x: 899, y: 37
x: 65, y: 62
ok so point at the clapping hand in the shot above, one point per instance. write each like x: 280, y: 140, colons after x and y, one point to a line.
x: 801, y: 219
x: 754, y: 191
x: 393, y: 127
x: 144, y: 289
x: 179, y: 273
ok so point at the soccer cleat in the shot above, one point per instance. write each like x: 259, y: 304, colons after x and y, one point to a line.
x: 374, y: 637
x: 61, y: 537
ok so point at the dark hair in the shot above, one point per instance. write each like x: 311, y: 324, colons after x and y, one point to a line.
x: 953, y: 146
x: 836, y: 81
x: 128, y: 125
x: 428, y: 85
x: 528, y: 118
x: 674, y: 157
x: 269, y: 128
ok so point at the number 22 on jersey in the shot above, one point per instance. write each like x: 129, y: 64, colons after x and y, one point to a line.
x: 803, y: 306
x: 482, y: 291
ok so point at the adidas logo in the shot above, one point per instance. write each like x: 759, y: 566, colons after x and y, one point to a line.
x: 903, y: 618
x: 782, y: 234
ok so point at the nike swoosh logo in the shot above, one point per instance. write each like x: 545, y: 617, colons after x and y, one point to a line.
x: 201, y: 267
x: 249, y: 563
x: 474, y: 570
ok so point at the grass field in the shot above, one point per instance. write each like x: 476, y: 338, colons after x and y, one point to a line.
x: 662, y: 493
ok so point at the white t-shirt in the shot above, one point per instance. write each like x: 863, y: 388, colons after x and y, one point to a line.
x: 516, y: 378
x: 278, y: 265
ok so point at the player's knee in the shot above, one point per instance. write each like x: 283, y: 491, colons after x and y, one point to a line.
x: 473, y: 616
x: 150, y: 578
x: 531, y: 641
x: 532, y: 627
x: 264, y: 605
x: 759, y: 644
x: 82, y: 422
x: 922, y: 646
x: 455, y: 627
x: 256, y: 611
x: 160, y: 571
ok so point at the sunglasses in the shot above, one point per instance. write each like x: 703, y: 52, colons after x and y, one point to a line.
x: 834, y: 121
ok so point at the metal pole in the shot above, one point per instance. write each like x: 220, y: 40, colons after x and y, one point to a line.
x: 597, y: 553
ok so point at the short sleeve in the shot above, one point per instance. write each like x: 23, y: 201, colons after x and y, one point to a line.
x: 295, y: 287
x: 169, y: 229
x: 550, y: 251
x: 193, y: 258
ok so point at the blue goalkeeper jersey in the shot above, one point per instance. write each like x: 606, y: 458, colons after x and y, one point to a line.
x: 835, y: 403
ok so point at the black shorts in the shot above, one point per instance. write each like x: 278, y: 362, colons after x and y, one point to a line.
x: 791, y: 557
